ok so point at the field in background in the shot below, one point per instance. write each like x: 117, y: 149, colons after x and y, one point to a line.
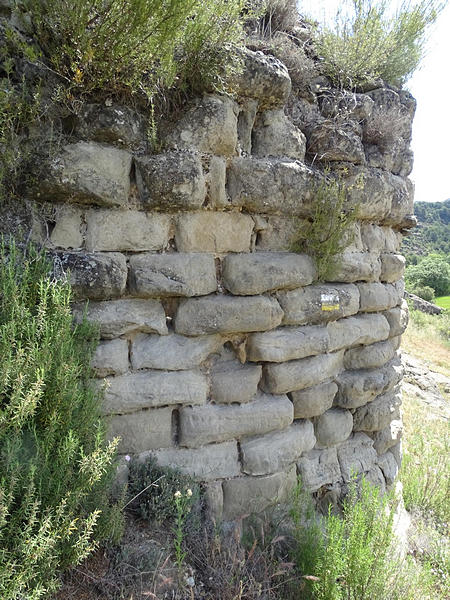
x: 443, y: 301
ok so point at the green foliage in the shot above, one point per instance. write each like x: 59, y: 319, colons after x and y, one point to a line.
x: 55, y: 468
x: 432, y: 271
x: 443, y: 302
x: 369, y: 41
x: 425, y: 292
x: 432, y: 233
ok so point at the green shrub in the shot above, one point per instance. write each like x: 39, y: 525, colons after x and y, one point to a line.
x: 55, y: 468
x: 425, y: 292
x: 432, y: 271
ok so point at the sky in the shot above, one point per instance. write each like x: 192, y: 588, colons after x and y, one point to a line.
x: 430, y: 85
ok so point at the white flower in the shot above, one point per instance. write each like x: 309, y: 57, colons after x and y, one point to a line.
x: 127, y: 457
x: 177, y: 494
x: 189, y: 493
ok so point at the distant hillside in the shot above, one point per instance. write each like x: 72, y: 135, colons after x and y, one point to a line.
x: 432, y: 233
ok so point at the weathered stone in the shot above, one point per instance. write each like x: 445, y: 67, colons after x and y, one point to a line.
x: 216, y: 180
x: 361, y: 329
x: 279, y: 233
x: 313, y: 401
x: 379, y: 413
x: 318, y: 303
x: 172, y: 181
x: 210, y: 423
x: 373, y: 237
x: 369, y: 357
x: 110, y: 358
x: 398, y: 318
x: 276, y: 451
x: 215, y: 461
x: 357, y: 266
x: 319, y: 468
x: 356, y: 456
x: 256, y: 273
x: 389, y: 467
x: 402, y: 201
x: 67, y: 230
x: 274, y: 134
x: 246, y: 120
x: 172, y: 352
x: 392, y: 267
x: 115, y: 124
x: 209, y: 125
x: 213, y: 232
x: 345, y: 105
x: 227, y: 314
x: 299, y: 374
x: 246, y: 495
x: 369, y: 189
x: 134, y: 391
x: 119, y: 317
x: 333, y: 427
x: 233, y: 382
x: 287, y: 343
x: 126, y: 230
x: 87, y: 172
x: 357, y: 388
x: 142, y: 430
x: 273, y: 186
x: 213, y: 495
x: 352, y: 242
x: 397, y: 453
x: 93, y: 276
x: 330, y: 141
x: 376, y: 478
x: 388, y: 437
x: 174, y: 274
x: 378, y: 296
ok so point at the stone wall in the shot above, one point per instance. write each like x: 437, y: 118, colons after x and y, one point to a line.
x: 220, y: 351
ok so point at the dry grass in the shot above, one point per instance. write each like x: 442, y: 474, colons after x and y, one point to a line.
x: 422, y: 339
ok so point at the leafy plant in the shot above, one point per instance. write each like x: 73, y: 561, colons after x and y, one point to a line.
x: 425, y: 292
x: 432, y: 271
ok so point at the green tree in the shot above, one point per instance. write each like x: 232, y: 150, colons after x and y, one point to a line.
x: 432, y: 271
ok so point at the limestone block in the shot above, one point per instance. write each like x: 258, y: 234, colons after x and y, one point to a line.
x: 246, y: 495
x: 88, y: 173
x: 361, y: 329
x: 340, y: 103
x: 392, y: 267
x: 330, y: 141
x: 356, y: 456
x: 209, y: 125
x: 371, y: 190
x: 67, y: 230
x: 135, y: 391
x: 274, y: 134
x: 351, y: 239
x: 114, y: 124
x: 126, y: 230
x: 216, y: 179
x: 171, y: 181
x: 318, y: 303
x: 357, y: 388
x: 276, y: 451
x: 388, y: 437
x: 287, y: 343
x: 300, y: 374
x: 227, y: 314
x: 205, y: 424
x: 333, y: 427
x: 119, y: 317
x: 376, y: 478
x: 378, y: 296
x: 213, y: 495
x: 174, y: 274
x: 398, y: 318
x: 402, y: 201
x: 271, y: 185
x: 318, y: 468
x: 278, y: 233
x: 389, y: 467
x: 233, y: 382
x: 313, y: 401
x: 256, y: 273
x: 397, y: 453
x: 142, y: 430
x: 379, y: 413
x: 213, y: 232
x: 357, y: 266
x: 110, y: 358
x: 215, y: 461
x: 172, y: 352
x: 378, y: 239
x: 369, y: 357
x: 93, y: 276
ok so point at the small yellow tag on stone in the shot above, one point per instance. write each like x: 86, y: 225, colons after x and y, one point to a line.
x: 329, y: 302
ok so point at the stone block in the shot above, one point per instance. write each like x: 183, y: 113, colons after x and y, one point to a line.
x: 216, y: 180
x: 174, y: 274
x: 379, y: 413
x: 361, y: 329
x: 110, y: 358
x: 313, y: 401
x: 135, y: 391
x: 279, y: 233
x: 356, y: 456
x: 233, y: 382
x: 378, y: 239
x: 287, y: 343
x: 378, y: 296
x: 271, y: 186
x: 172, y: 181
x: 213, y: 232
x: 227, y: 314
x: 369, y: 357
x: 388, y: 437
x: 330, y: 141
x: 128, y: 230
x: 93, y: 276
x: 376, y: 478
x: 211, y: 423
x: 119, y: 125
x: 300, y: 374
x: 120, y: 317
x: 274, y: 134
x: 213, y: 495
x: 318, y: 468
x: 67, y: 230
x: 141, y: 431
x: 172, y: 352
x: 215, y: 461
x: 256, y: 273
x: 392, y: 267
x: 369, y: 189
x: 398, y: 318
x: 246, y: 495
x: 333, y: 427
x: 402, y: 201
x: 389, y: 467
x: 356, y: 266
x: 318, y: 303
x: 276, y: 451
x: 87, y: 173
